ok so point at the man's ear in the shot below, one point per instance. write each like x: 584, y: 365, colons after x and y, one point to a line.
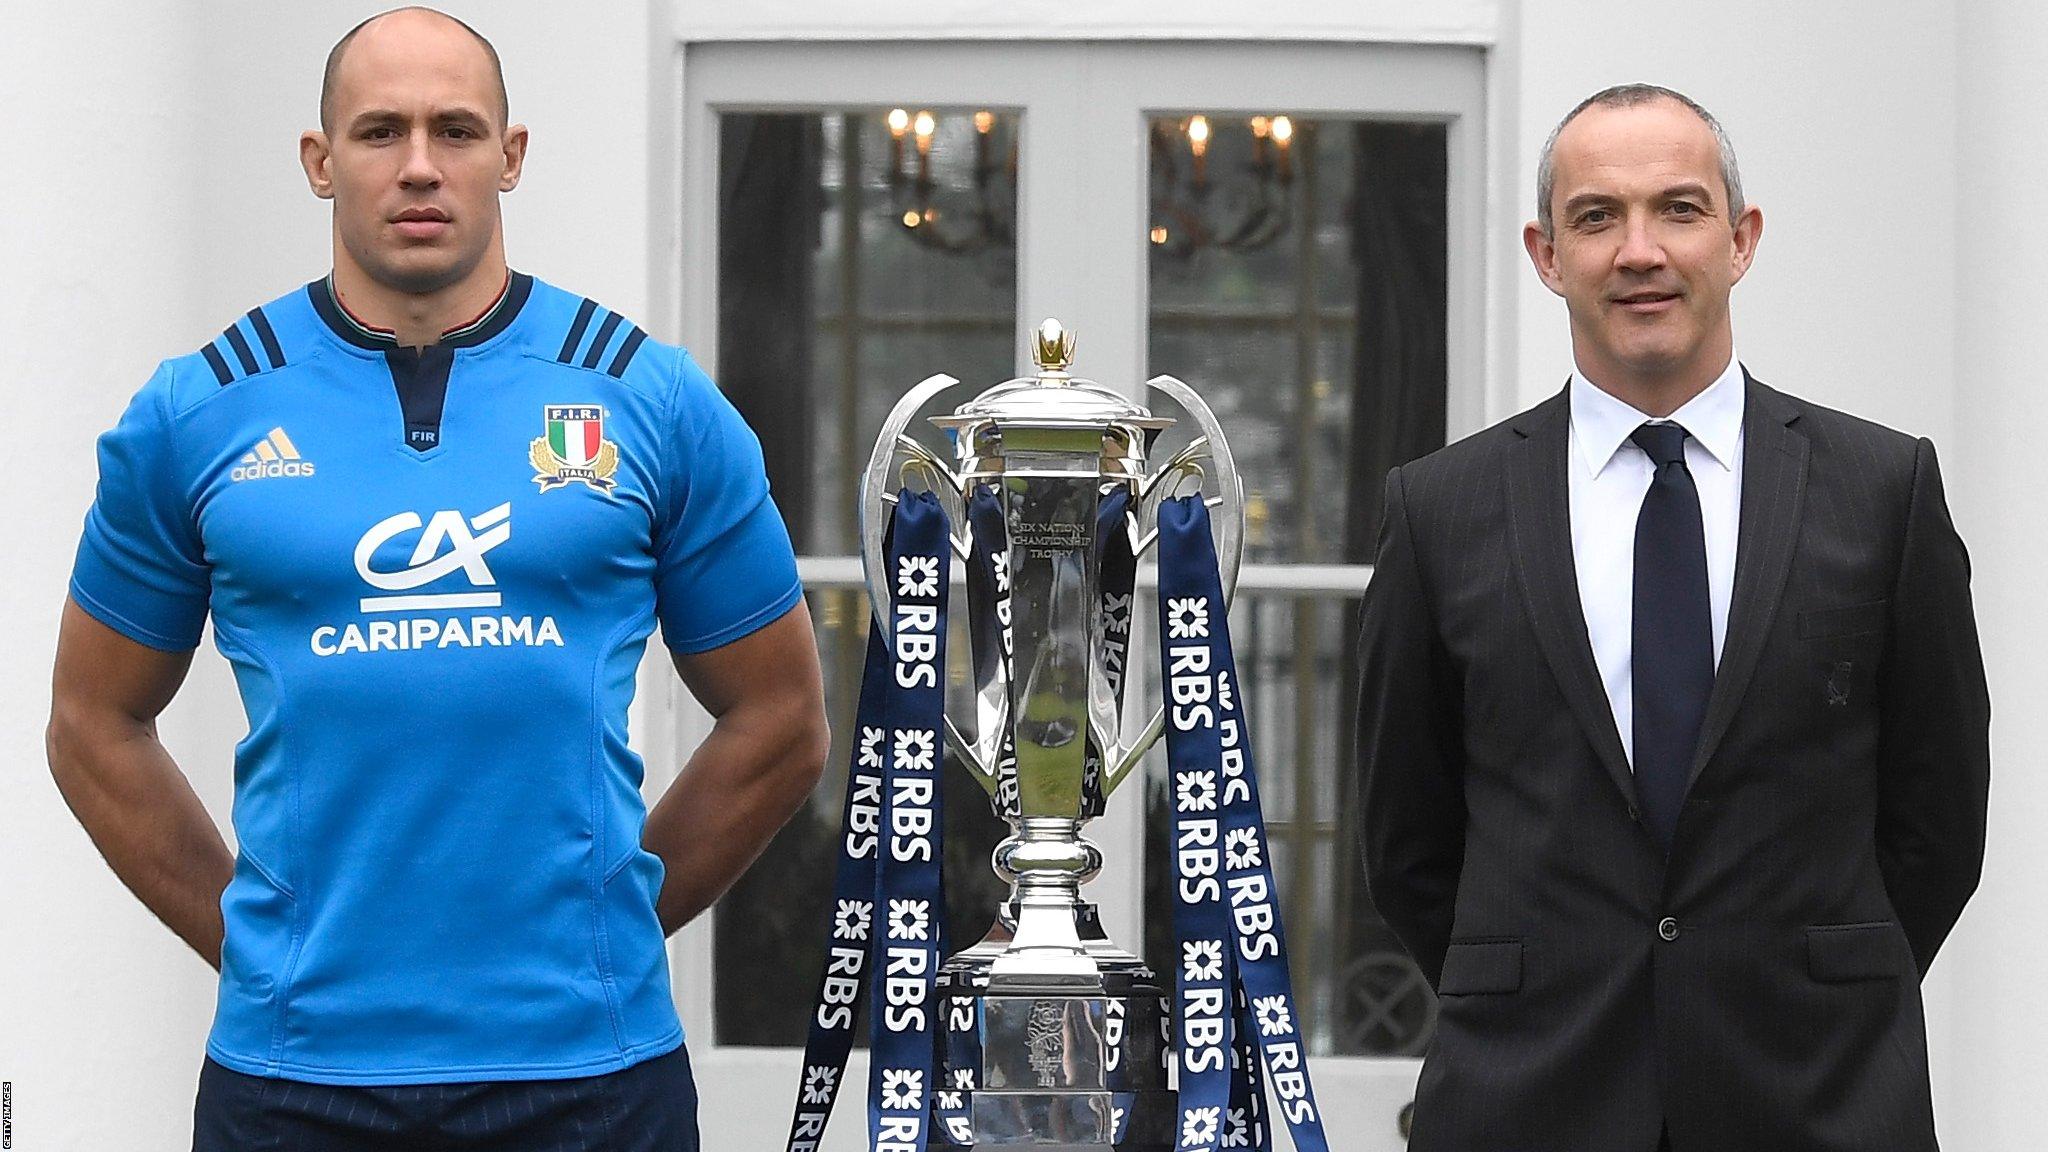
x: 314, y: 156
x: 1749, y: 230
x: 1542, y: 254
x: 515, y: 157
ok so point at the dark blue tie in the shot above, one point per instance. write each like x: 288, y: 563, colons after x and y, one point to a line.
x: 1672, y: 645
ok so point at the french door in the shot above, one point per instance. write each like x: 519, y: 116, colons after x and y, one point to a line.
x: 1291, y: 228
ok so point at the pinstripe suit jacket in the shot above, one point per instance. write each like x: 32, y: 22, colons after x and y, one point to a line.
x: 1757, y: 990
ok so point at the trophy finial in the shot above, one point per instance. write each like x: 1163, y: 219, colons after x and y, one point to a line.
x: 1053, y: 350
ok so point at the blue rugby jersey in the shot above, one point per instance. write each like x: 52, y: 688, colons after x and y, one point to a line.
x: 435, y: 572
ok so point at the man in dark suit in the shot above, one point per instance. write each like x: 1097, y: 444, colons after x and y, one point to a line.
x: 1673, y: 727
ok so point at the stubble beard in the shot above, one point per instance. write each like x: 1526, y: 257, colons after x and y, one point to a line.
x: 416, y: 271
x: 422, y: 277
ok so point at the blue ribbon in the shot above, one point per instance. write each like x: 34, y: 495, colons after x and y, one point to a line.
x: 988, y: 607
x: 1244, y: 1126
x: 1204, y: 977
x: 1210, y: 753
x: 888, y: 910
x: 1116, y: 580
x: 853, y: 906
x: 908, y: 904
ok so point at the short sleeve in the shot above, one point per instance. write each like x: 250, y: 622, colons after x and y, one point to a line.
x: 140, y: 568
x: 724, y: 563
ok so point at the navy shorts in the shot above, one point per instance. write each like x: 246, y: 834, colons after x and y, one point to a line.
x: 650, y: 1107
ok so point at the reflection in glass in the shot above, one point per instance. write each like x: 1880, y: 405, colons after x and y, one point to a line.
x: 1297, y: 280
x: 858, y: 252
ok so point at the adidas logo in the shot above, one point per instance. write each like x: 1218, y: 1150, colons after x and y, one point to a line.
x: 274, y: 455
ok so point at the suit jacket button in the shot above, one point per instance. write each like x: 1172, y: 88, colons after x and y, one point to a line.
x: 1667, y: 928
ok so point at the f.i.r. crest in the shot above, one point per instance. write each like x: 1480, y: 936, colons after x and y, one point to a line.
x: 574, y: 448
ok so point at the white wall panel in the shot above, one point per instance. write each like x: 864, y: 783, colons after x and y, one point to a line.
x: 1437, y: 22
x: 97, y: 203
x: 1997, y: 1059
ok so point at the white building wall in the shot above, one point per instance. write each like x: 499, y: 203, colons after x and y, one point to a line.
x: 1439, y: 21
x: 1998, y: 1059
x: 98, y: 184
x: 151, y: 193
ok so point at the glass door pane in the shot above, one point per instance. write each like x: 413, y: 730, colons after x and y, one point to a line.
x: 1298, y: 282
x: 859, y: 251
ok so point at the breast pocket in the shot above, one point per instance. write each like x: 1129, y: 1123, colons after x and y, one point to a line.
x: 1844, y: 646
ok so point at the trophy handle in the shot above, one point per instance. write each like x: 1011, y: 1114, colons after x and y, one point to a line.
x: 877, y: 495
x: 878, y: 488
x: 1227, y: 501
x: 1228, y: 496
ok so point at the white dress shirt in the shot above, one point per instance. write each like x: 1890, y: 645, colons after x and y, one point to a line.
x: 1609, y: 478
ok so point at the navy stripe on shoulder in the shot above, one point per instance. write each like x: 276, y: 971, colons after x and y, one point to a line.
x: 219, y: 365
x: 630, y: 346
x: 264, y: 333
x: 576, y: 330
x: 241, y: 347
x: 603, y: 337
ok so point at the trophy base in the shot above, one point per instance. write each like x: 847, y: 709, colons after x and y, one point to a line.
x: 1055, y: 1061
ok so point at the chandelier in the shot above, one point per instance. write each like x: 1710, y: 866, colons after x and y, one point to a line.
x: 1244, y: 207
x: 941, y: 215
x: 1238, y: 200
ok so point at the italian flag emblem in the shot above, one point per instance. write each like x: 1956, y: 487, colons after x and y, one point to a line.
x: 574, y: 448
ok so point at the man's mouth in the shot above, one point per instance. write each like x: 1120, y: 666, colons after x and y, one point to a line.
x: 1646, y: 301
x: 420, y: 223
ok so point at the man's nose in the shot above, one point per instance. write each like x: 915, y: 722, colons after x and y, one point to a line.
x: 420, y: 171
x: 1640, y: 250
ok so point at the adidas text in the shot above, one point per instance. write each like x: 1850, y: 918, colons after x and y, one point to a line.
x: 271, y: 468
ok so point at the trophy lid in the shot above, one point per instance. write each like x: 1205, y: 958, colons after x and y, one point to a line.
x: 1053, y: 397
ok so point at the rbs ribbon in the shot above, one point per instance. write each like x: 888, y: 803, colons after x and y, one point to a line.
x: 1232, y: 950
x: 1235, y: 1025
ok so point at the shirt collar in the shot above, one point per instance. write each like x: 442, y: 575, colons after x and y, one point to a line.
x: 494, y: 319
x: 1601, y: 423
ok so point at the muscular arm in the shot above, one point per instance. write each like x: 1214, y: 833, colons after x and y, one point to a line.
x: 766, y: 750
x: 135, y: 804
x: 1410, y: 756
x: 1934, y: 751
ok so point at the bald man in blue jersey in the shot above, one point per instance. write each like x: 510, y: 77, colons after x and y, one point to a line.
x: 434, y: 508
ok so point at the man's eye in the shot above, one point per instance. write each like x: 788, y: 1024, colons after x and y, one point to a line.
x: 1593, y: 216
x: 1682, y: 208
x: 379, y: 133
x: 459, y: 133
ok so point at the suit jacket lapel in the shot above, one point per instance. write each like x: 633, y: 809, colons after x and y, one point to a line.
x: 1539, y: 520
x: 1774, y: 459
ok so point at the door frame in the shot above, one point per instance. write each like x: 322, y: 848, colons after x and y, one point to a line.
x: 1084, y: 108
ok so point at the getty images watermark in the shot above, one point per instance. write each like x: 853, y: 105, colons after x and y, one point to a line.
x: 6, y: 1113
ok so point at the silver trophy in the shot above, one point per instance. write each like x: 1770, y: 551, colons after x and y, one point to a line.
x: 1068, y: 1031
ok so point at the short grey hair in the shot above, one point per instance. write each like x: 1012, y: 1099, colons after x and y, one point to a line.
x: 1630, y: 96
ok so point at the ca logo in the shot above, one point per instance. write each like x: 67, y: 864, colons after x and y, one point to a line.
x: 449, y: 541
